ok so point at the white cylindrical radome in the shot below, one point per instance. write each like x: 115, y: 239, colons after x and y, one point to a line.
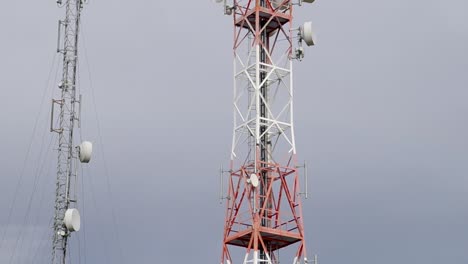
x: 85, y: 151
x: 254, y: 180
x: 307, y: 34
x: 72, y: 220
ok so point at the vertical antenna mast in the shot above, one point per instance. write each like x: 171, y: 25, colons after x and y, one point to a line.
x: 264, y: 209
x: 66, y: 217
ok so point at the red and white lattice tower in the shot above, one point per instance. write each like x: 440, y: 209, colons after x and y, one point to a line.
x: 264, y: 211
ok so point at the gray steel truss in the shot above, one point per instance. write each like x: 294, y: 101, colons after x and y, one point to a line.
x: 64, y: 126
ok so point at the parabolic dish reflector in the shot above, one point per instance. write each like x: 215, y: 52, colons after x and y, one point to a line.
x: 307, y: 34
x: 254, y: 180
x: 72, y: 220
x: 85, y: 149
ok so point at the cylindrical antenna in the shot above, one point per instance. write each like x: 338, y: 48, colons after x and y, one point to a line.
x: 306, y: 180
x: 221, y: 185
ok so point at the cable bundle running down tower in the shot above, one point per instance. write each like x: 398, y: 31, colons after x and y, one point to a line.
x: 264, y: 211
x: 67, y: 217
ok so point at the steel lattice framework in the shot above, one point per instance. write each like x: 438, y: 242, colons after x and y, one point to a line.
x: 67, y: 153
x: 264, y: 219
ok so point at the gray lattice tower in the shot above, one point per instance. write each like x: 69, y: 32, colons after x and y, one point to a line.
x: 67, y: 104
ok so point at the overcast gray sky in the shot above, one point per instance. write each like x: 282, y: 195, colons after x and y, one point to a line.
x: 381, y: 117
